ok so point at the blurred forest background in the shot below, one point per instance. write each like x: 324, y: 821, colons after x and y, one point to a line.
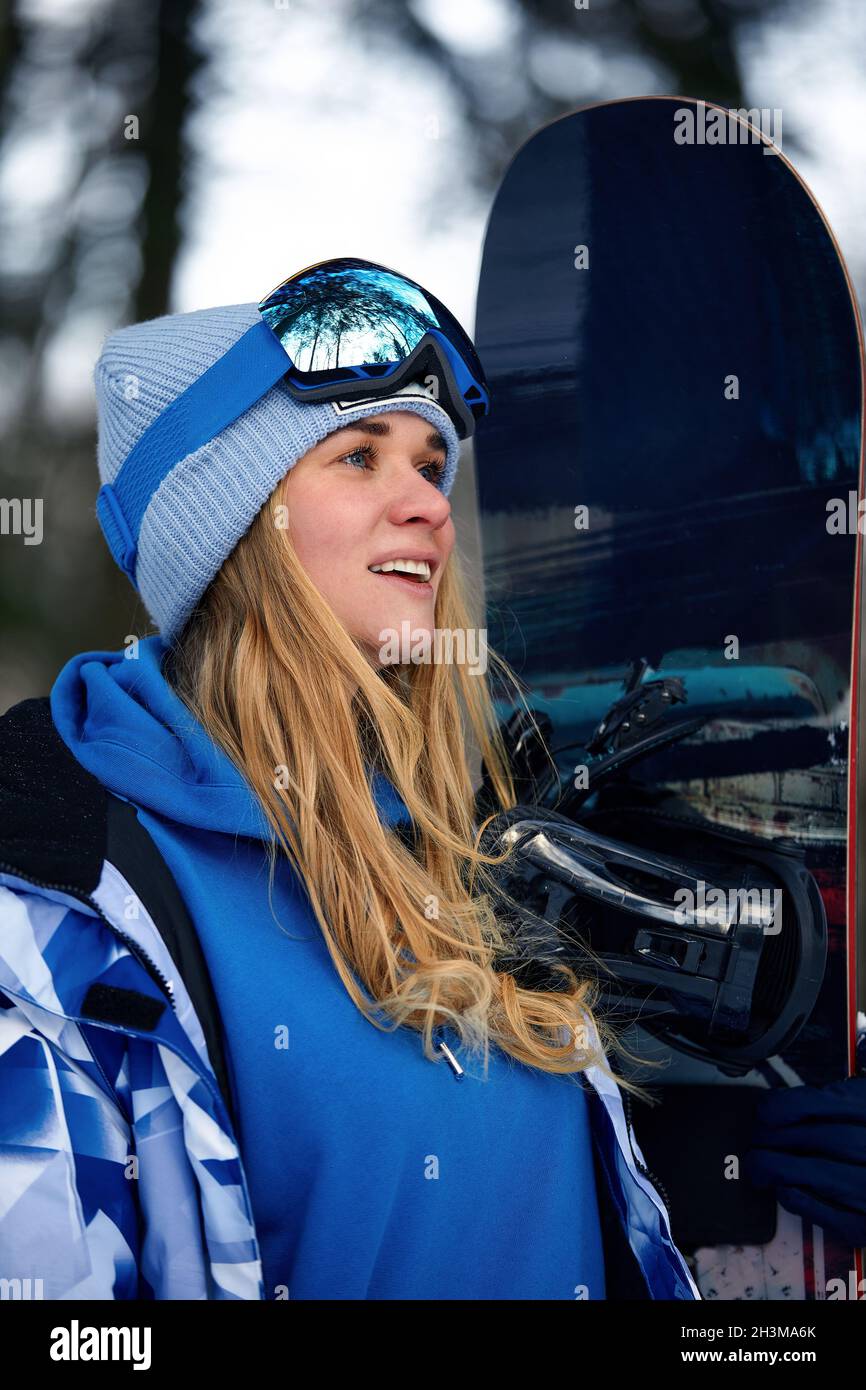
x: 272, y: 133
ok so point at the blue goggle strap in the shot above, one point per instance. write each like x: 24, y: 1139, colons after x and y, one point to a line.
x: 213, y: 401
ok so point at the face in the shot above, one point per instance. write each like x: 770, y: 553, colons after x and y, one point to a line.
x: 365, y: 496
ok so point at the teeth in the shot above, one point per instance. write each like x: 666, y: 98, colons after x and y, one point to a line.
x: 420, y: 567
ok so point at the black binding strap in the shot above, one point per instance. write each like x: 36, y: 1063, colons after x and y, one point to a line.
x: 58, y: 824
x: 132, y: 850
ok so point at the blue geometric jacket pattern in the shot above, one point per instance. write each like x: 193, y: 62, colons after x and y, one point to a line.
x: 117, y: 1156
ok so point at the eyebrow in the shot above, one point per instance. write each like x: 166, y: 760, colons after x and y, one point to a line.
x: 434, y: 440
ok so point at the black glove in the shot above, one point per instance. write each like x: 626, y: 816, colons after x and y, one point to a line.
x: 810, y: 1146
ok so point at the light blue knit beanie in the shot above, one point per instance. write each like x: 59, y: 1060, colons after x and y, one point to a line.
x: 209, y: 499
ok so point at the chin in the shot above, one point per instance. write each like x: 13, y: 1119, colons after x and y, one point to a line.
x: 418, y: 630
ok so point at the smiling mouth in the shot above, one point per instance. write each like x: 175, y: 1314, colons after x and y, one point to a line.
x: 408, y: 571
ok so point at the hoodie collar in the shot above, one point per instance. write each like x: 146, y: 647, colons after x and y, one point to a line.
x: 121, y: 719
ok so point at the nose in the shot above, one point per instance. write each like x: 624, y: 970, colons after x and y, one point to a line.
x: 416, y: 498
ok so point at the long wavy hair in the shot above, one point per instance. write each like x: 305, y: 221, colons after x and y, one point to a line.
x: 279, y: 684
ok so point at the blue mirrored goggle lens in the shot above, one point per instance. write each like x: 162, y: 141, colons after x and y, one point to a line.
x: 345, y: 314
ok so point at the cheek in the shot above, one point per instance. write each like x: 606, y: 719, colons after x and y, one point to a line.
x: 326, y: 527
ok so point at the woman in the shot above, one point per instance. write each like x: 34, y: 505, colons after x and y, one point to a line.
x: 313, y: 1083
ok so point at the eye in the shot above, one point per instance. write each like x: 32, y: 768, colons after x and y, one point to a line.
x: 438, y: 470
x: 367, y: 451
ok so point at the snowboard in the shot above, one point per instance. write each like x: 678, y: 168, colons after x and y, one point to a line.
x: 668, y: 487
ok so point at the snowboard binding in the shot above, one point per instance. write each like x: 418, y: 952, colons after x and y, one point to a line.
x: 638, y: 723
x: 720, y: 951
x: 718, y: 948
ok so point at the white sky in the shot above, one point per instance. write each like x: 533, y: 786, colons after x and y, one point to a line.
x: 317, y: 148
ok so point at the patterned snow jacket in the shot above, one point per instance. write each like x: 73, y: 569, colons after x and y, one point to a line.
x: 110, y: 1047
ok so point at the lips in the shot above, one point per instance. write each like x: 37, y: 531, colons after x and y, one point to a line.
x: 416, y: 586
x: 420, y: 584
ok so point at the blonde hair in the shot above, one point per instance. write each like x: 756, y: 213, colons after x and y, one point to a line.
x: 267, y: 668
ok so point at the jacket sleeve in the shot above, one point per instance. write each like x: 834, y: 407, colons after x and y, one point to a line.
x: 69, y: 1217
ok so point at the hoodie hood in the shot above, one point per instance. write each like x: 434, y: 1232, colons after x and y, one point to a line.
x: 124, y: 723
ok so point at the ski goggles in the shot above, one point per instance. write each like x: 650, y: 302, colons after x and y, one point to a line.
x: 354, y: 330
x: 343, y: 330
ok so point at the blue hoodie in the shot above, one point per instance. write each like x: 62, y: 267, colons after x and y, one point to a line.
x: 373, y: 1173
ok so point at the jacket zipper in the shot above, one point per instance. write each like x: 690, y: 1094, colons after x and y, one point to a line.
x: 141, y: 955
x: 651, y: 1177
